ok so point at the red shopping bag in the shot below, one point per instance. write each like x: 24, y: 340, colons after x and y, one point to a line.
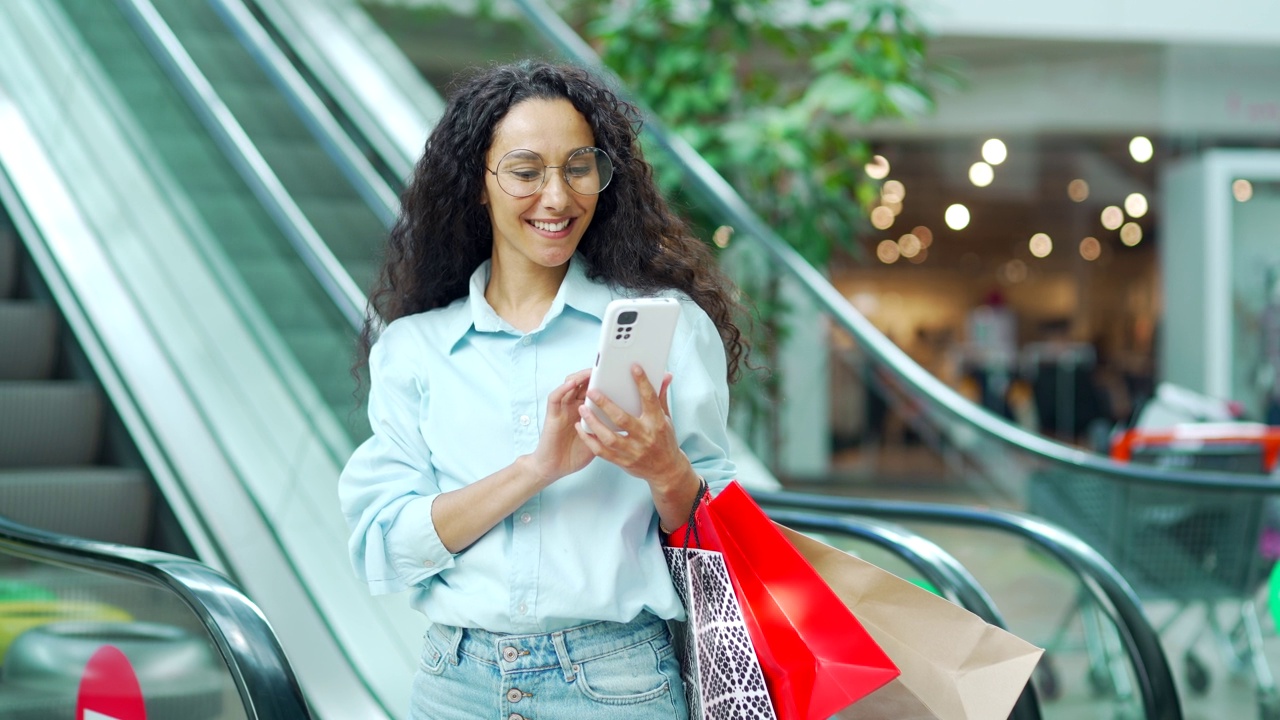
x: 817, y: 658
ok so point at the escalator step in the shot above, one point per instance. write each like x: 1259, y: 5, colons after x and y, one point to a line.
x: 111, y: 504
x: 29, y: 331
x: 46, y: 423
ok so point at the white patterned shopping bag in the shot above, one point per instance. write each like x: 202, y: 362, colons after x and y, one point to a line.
x: 722, y: 677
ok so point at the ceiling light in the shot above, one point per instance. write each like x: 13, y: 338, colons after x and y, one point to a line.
x: 981, y: 174
x: 878, y: 168
x: 957, y: 217
x: 1141, y: 149
x: 1136, y: 205
x: 994, y: 151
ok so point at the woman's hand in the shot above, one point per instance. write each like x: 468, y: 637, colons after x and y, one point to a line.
x: 649, y: 448
x: 560, y: 448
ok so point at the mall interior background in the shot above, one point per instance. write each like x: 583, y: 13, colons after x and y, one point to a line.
x: 1103, y: 264
x: 1047, y: 302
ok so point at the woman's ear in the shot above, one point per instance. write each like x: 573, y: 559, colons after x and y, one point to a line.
x: 484, y: 196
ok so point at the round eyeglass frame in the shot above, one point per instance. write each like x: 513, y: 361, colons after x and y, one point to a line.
x: 563, y: 172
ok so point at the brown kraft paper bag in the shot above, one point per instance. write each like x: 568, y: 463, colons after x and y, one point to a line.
x: 955, y: 665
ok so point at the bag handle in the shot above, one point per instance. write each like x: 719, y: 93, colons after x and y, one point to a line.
x: 692, y: 523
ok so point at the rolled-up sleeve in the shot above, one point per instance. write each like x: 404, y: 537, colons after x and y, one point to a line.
x: 699, y: 397
x: 387, y: 487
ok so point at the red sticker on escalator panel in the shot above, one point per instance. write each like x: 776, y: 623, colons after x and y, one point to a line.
x: 109, y: 688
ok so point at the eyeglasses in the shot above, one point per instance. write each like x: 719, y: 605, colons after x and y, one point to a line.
x: 522, y: 173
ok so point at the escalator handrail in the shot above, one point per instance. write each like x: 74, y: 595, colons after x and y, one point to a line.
x: 726, y: 200
x: 935, y: 565
x: 249, y: 647
x: 1105, y: 586
x: 245, y: 157
x: 379, y: 91
x: 375, y: 191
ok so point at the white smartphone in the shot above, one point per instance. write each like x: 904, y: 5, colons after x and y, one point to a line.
x: 638, y: 330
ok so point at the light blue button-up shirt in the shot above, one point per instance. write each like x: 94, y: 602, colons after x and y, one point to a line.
x: 457, y: 394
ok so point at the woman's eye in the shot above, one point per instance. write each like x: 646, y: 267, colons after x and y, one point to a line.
x: 582, y: 170
x: 525, y: 175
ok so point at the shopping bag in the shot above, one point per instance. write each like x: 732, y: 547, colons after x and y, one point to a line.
x: 816, y: 657
x: 954, y: 665
x: 722, y: 676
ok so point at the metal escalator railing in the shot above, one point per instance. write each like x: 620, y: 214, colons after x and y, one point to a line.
x: 181, y: 348
x: 371, y: 84
x: 1106, y: 588
x: 245, y: 155
x: 180, y: 610
x: 934, y: 564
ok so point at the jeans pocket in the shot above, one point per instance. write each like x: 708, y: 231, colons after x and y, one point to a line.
x: 638, y: 674
x: 432, y: 658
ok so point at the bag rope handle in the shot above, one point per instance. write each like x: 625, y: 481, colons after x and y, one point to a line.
x: 704, y: 491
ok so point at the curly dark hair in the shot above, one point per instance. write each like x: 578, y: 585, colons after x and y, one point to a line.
x: 443, y: 232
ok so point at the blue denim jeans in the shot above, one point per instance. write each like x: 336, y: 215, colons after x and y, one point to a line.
x: 595, y: 672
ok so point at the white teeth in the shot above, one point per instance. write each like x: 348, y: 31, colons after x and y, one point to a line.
x: 550, y: 227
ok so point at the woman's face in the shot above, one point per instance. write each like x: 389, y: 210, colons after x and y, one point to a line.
x: 543, y: 229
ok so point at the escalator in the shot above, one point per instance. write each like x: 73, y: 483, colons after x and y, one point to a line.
x: 214, y: 338
x: 221, y: 316
x: 98, y: 630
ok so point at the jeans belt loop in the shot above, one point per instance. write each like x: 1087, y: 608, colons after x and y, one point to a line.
x: 562, y: 653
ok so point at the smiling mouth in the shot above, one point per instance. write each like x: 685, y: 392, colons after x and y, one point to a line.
x: 551, y: 227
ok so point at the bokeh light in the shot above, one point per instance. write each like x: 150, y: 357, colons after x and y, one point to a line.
x: 888, y: 252
x: 1013, y: 272
x: 1242, y: 190
x: 994, y: 151
x: 1112, y: 217
x: 881, y: 217
x: 1040, y: 245
x: 1136, y: 205
x: 722, y: 235
x: 1078, y: 190
x: 909, y: 245
x: 1090, y: 249
x: 1131, y: 234
x: 1141, y: 149
x: 893, y: 191
x: 925, y: 235
x: 981, y: 174
x: 957, y: 217
x: 877, y: 168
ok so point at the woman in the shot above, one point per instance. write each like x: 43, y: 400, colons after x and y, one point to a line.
x: 532, y: 542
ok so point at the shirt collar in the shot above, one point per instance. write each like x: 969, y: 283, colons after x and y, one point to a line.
x: 577, y: 292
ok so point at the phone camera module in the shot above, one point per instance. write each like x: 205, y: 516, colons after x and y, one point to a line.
x: 628, y: 317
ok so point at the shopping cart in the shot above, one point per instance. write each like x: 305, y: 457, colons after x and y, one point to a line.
x: 1196, y: 544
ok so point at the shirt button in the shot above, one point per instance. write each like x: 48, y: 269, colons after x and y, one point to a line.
x: 514, y: 695
x: 509, y: 654
x: 527, y: 339
x: 515, y: 716
x: 526, y: 518
x: 523, y: 608
x: 429, y: 563
x: 524, y: 419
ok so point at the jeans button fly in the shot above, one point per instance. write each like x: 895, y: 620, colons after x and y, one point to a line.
x: 509, y: 654
x: 514, y: 695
